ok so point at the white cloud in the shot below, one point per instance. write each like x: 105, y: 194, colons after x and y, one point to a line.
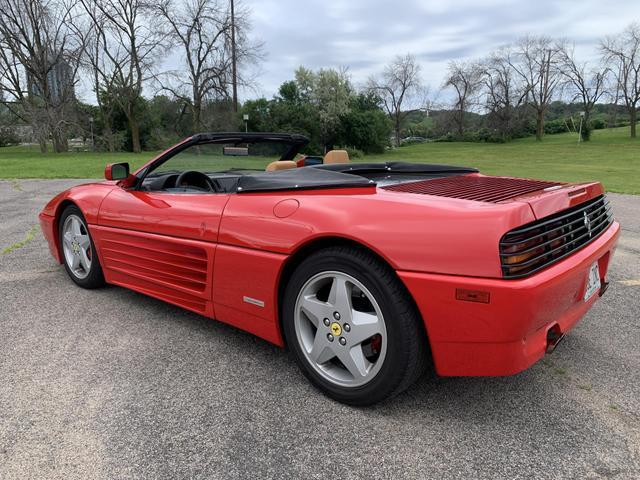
x: 364, y: 35
x: 367, y: 34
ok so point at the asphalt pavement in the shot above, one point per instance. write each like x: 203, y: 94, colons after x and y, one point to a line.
x: 113, y: 384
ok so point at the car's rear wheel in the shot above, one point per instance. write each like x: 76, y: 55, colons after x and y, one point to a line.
x: 352, y: 326
x: 78, y: 251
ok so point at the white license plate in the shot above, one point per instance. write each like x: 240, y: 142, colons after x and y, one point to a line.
x: 593, y: 282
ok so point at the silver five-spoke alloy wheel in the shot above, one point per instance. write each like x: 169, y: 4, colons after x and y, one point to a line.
x: 340, y: 329
x: 76, y: 246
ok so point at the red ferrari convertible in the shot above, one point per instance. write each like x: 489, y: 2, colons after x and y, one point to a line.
x: 367, y: 272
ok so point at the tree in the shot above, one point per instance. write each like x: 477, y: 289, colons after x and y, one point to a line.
x: 259, y: 112
x: 128, y: 43
x: 323, y: 107
x: 399, y: 85
x: 622, y: 52
x: 365, y: 126
x: 587, y: 84
x: 201, y: 29
x: 39, y: 60
x: 503, y: 94
x: 313, y: 103
x: 465, y: 79
x: 292, y: 111
x: 536, y: 61
x: 98, y: 63
x: 331, y: 95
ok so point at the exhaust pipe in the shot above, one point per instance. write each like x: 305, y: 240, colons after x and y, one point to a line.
x: 554, y: 337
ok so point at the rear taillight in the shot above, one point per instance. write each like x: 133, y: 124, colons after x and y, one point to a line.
x: 532, y: 247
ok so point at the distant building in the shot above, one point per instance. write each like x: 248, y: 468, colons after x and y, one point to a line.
x: 59, y: 81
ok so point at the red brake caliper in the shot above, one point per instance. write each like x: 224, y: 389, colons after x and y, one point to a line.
x: 376, y: 343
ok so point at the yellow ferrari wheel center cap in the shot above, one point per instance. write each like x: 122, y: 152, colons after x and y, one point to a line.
x: 336, y: 329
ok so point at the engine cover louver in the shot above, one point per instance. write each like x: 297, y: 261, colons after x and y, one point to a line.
x: 476, y: 188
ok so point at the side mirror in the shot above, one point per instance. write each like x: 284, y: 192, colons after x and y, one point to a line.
x: 116, y: 171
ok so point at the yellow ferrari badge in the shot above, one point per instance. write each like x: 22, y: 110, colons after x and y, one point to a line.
x: 336, y: 329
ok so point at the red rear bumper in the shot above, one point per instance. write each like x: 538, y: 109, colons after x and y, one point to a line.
x: 508, y: 334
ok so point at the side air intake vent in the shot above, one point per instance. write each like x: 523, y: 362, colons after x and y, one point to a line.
x: 472, y: 187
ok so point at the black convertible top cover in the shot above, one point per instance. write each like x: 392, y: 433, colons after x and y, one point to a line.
x: 304, y: 178
x: 395, y: 167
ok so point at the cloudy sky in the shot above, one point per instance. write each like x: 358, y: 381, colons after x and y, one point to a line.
x: 365, y: 34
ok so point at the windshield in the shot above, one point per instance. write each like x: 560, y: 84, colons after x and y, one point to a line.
x: 223, y: 157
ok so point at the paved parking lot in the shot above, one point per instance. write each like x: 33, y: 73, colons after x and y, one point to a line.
x: 112, y: 384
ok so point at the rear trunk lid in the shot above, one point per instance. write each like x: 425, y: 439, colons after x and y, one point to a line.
x: 555, y: 199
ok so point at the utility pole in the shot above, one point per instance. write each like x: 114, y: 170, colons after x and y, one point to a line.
x: 234, y: 75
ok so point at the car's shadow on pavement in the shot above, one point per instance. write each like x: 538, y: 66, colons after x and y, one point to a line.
x: 446, y: 394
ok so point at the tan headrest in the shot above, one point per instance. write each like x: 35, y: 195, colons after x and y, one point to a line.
x: 281, y: 165
x: 336, y: 156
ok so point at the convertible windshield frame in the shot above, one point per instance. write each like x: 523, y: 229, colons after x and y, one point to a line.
x: 294, y: 141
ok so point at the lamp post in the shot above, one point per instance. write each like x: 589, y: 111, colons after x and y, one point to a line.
x: 245, y: 117
x: 93, y: 143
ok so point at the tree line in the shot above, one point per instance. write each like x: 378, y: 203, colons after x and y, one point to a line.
x: 118, y: 47
x: 510, y: 93
x: 522, y: 80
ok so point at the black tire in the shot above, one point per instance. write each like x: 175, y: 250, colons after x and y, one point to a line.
x: 407, y: 351
x: 95, y: 277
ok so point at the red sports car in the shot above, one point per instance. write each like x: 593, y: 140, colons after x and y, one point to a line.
x: 367, y: 272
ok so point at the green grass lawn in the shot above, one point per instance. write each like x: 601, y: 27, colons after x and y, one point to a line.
x: 28, y: 162
x: 610, y: 157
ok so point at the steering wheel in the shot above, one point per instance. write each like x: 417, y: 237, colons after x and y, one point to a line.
x: 195, y: 179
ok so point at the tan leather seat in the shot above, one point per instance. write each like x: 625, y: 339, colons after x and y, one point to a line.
x: 336, y: 156
x: 281, y: 165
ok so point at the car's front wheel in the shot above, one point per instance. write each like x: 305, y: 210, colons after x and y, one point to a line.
x: 352, y: 326
x: 78, y: 251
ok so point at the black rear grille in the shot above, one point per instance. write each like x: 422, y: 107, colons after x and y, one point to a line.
x: 537, y: 245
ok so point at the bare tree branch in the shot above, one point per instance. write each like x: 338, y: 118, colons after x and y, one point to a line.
x: 586, y: 84
x: 126, y: 43
x: 39, y: 61
x: 201, y: 29
x: 400, y: 84
x: 504, y: 93
x: 465, y: 79
x: 622, y: 54
x: 536, y: 61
